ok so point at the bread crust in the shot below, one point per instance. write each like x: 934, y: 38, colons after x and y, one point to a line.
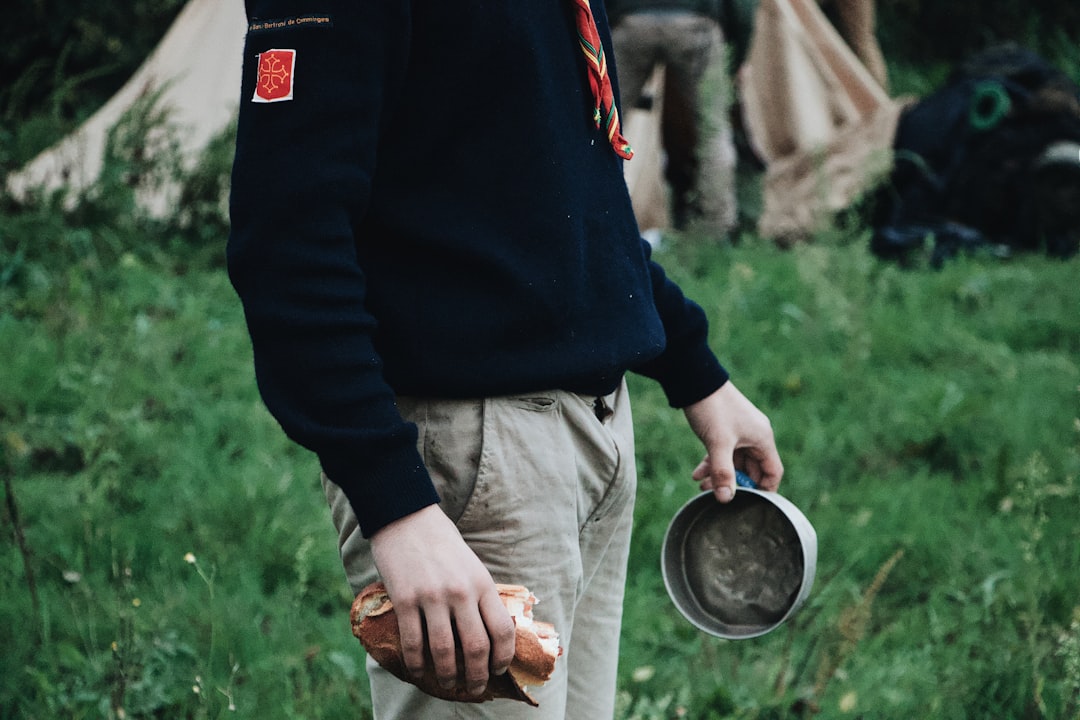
x: 375, y: 625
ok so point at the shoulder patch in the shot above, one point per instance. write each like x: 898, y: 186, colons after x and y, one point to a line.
x: 277, y: 76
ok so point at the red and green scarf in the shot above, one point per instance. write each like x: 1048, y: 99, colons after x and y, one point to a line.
x: 605, y: 113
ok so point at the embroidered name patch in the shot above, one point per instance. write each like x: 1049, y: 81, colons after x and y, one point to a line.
x: 301, y: 21
x: 277, y: 70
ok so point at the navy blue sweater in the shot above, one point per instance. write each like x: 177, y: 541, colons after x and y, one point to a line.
x: 434, y: 213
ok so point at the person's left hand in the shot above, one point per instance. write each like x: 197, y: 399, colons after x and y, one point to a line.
x: 447, y: 605
x: 736, y: 435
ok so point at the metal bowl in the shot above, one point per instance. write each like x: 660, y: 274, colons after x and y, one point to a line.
x: 740, y: 569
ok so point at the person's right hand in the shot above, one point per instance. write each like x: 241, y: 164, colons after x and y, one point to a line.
x: 737, y: 436
x: 436, y: 581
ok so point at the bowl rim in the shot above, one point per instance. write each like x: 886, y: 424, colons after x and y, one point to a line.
x: 677, y: 586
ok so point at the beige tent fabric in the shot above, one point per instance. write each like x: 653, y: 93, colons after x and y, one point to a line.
x: 821, y: 123
x: 196, y: 67
x: 856, y: 20
x: 644, y: 172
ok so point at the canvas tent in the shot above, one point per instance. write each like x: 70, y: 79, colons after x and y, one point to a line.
x: 821, y: 123
x: 195, y: 70
x: 645, y: 172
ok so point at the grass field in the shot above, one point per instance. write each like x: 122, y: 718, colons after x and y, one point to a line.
x: 166, y: 553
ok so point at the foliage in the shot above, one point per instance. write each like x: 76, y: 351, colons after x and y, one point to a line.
x: 47, y: 234
x: 61, y: 59
x: 927, y: 31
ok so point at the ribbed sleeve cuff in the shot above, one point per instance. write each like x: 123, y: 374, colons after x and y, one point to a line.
x: 391, y: 487
x: 688, y: 375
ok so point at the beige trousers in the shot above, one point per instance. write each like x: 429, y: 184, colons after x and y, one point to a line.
x: 541, y: 487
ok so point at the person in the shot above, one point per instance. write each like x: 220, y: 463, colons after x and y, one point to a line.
x: 685, y: 37
x: 445, y: 287
x: 856, y: 22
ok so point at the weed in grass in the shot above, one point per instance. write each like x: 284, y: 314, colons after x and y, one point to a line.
x: 851, y: 628
x: 1068, y: 649
x: 15, y: 445
x: 664, y: 707
x: 208, y: 706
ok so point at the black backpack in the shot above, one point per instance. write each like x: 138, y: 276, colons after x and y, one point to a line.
x: 989, y: 160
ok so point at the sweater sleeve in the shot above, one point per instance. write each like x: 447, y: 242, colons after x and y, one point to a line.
x: 301, y: 185
x: 687, y: 369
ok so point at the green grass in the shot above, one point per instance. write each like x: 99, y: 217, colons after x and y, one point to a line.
x: 166, y: 551
x: 929, y: 416
x: 134, y: 436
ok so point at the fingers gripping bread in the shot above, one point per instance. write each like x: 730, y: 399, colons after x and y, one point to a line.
x: 536, y: 648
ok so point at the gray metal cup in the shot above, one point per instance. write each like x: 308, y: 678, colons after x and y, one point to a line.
x: 740, y: 569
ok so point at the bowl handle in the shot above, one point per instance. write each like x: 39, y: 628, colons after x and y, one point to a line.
x: 744, y: 480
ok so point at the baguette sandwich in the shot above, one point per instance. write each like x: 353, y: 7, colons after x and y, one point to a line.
x: 536, y: 647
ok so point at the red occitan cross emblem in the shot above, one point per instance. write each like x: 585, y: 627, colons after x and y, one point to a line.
x: 275, y: 82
